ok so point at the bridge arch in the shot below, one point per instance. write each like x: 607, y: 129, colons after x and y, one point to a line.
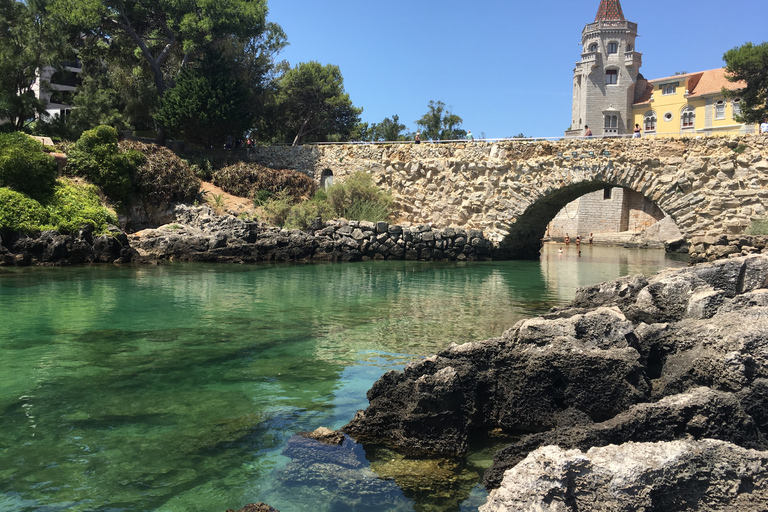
x: 709, y: 186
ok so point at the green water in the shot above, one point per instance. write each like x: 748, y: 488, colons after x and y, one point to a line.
x: 176, y: 387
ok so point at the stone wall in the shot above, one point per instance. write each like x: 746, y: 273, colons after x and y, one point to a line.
x: 512, y: 189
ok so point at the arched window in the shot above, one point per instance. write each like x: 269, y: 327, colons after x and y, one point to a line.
x: 613, y: 47
x: 611, y: 76
x: 593, y: 47
x: 649, y: 120
x: 688, y: 118
x: 611, y: 121
x: 736, y: 107
x: 669, y: 89
x: 720, y: 109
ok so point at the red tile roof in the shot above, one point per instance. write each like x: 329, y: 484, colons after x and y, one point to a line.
x: 609, y: 10
x: 701, y: 83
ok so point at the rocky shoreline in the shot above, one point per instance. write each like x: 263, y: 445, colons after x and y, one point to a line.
x: 198, y: 234
x: 643, y: 393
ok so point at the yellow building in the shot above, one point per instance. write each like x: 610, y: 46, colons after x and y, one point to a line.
x: 688, y: 105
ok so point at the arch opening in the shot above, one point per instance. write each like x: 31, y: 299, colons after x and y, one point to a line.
x: 611, y: 210
x: 326, y: 179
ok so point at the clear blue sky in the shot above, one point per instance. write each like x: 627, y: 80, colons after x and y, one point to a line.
x: 503, y: 66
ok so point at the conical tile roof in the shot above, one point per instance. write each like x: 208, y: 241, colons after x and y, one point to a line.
x: 609, y: 10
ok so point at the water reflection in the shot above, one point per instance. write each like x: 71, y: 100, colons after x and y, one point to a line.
x: 177, y: 387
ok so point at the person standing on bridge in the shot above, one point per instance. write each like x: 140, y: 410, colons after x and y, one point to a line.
x: 764, y: 126
x: 587, y: 131
x: 470, y: 137
x: 637, y: 131
x: 416, y: 139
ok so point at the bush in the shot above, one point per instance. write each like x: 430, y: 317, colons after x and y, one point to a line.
x: 74, y: 204
x: 21, y: 213
x: 24, y: 166
x: 758, y: 227
x: 161, y: 176
x: 247, y: 179
x: 302, y: 215
x: 96, y: 157
x: 277, y: 209
x: 358, y: 198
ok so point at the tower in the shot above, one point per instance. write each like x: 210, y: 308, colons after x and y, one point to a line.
x: 604, y: 79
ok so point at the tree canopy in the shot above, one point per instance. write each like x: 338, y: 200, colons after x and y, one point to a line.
x: 439, y: 123
x: 312, y: 106
x: 750, y: 64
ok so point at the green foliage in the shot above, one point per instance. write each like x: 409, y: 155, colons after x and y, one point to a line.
x: 69, y: 207
x: 440, y: 124
x: 740, y: 149
x: 161, y: 176
x: 207, y: 104
x: 96, y: 157
x: 302, y: 215
x: 750, y: 64
x: 277, y: 209
x: 311, y: 105
x: 19, y: 212
x: 758, y: 227
x: 358, y: 198
x: 75, y: 204
x: 261, y: 197
x: 24, y: 166
x: 245, y: 179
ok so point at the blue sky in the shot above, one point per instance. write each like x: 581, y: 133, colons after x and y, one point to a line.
x: 503, y: 66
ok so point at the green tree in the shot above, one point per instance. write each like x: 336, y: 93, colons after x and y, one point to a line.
x: 750, y: 64
x: 207, y: 103
x: 439, y: 123
x: 311, y: 105
x: 389, y: 129
x: 166, y: 34
x: 28, y: 42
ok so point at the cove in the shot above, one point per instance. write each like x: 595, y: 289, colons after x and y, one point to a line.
x: 177, y: 387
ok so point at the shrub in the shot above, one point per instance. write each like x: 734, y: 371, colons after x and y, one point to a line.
x: 277, y: 209
x: 246, y: 179
x: 758, y: 227
x: 74, y: 204
x: 96, y: 157
x: 24, y: 166
x: 161, y: 176
x: 358, y: 198
x: 19, y: 212
x: 302, y: 215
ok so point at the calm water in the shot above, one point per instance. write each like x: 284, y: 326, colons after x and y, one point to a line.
x: 176, y: 387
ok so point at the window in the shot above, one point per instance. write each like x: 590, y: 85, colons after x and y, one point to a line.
x: 688, y: 118
x: 668, y: 89
x: 611, y: 76
x: 668, y: 116
x: 649, y: 121
x: 607, y: 193
x: 613, y: 47
x: 593, y: 47
x: 720, y: 109
x: 736, y: 108
x: 611, y: 121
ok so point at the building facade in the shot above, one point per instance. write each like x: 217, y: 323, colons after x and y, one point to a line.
x: 690, y: 105
x: 611, y: 96
x: 605, y: 77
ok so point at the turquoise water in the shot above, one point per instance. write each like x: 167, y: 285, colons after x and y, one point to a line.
x: 176, y: 387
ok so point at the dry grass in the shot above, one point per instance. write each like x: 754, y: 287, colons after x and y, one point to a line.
x: 246, y: 179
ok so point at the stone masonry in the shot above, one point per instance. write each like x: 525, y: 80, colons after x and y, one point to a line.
x: 512, y: 189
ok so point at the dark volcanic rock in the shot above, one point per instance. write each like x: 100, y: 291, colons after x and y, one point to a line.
x: 699, y: 413
x: 683, y: 354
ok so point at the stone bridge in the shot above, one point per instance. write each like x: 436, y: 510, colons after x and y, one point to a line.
x: 512, y: 189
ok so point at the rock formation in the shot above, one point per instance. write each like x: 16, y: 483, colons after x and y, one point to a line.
x: 681, y: 355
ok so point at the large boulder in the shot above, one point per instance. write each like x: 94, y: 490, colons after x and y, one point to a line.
x: 705, y: 476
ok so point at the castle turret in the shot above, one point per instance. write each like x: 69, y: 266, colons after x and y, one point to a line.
x: 605, y: 77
